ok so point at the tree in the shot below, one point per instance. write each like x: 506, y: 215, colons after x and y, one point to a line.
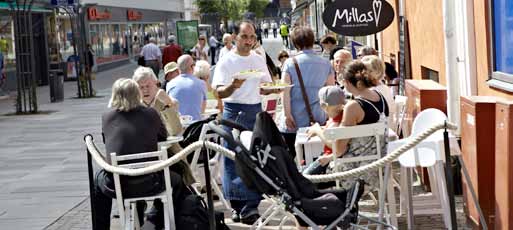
x: 257, y: 7
x: 232, y: 9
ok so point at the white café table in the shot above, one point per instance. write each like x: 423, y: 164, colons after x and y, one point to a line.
x: 311, y: 148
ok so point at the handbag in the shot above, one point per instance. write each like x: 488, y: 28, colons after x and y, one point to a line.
x: 303, y: 92
x: 141, y: 61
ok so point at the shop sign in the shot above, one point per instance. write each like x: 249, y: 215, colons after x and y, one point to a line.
x: 134, y: 15
x: 358, y: 17
x: 93, y: 14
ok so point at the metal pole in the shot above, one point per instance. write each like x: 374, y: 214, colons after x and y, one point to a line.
x: 77, y: 66
x: 206, y: 169
x: 316, y: 21
x: 449, y: 179
x: 91, y: 184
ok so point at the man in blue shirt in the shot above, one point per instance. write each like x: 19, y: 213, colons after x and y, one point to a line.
x: 190, y: 91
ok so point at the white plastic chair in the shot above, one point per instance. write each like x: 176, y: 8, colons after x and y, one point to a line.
x: 429, y: 154
x: 377, y: 130
x: 214, y: 164
x: 127, y: 207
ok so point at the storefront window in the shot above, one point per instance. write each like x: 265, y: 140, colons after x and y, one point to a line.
x: 108, y: 42
x: 65, y: 36
x: 503, y: 36
x: 7, y: 41
x: 502, y: 41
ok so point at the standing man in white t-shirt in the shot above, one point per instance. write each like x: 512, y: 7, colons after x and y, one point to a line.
x: 241, y: 100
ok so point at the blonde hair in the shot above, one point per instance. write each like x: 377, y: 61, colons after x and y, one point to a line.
x: 375, y: 67
x: 226, y: 36
x: 142, y: 73
x: 125, y: 95
x: 202, y: 69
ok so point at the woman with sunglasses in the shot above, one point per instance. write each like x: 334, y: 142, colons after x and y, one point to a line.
x: 200, y: 50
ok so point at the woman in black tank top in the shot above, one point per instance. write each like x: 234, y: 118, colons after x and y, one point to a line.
x: 368, y: 107
x: 372, y: 110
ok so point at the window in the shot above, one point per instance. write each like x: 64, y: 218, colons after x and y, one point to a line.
x: 502, y: 39
x: 429, y: 74
x: 7, y: 41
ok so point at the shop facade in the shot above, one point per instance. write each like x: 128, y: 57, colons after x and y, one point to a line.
x: 117, y: 34
x: 42, y: 19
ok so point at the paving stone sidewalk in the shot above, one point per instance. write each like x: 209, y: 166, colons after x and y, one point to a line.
x: 43, y: 171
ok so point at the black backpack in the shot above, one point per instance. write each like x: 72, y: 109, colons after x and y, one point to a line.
x: 192, y: 134
x: 193, y: 215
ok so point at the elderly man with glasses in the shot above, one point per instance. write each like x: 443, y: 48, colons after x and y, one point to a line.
x: 189, y: 90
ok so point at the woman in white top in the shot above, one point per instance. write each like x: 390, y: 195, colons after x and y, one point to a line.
x: 200, y: 50
x: 228, y: 45
x: 376, y: 69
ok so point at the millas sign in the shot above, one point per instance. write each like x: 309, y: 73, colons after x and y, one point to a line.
x: 358, y: 17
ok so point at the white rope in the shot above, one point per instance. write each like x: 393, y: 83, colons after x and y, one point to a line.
x: 98, y: 158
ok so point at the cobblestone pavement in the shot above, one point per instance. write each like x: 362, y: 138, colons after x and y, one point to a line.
x: 79, y: 218
x: 43, y: 173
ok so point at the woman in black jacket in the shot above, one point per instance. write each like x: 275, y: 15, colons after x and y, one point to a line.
x: 130, y: 128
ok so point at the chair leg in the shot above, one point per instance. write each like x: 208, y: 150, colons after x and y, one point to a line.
x: 408, y: 198
x: 382, y: 193
x: 219, y: 193
x: 442, y: 192
x: 129, y: 215
x: 166, y: 215
x: 391, y: 201
x: 135, y: 216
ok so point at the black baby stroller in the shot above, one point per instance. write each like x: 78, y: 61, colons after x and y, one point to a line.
x: 268, y: 168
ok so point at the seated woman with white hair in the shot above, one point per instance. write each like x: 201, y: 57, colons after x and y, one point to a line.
x: 228, y: 45
x: 202, y: 71
x: 129, y: 128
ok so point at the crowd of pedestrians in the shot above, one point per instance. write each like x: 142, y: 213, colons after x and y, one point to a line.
x: 327, y: 90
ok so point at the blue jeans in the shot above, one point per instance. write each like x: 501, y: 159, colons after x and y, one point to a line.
x: 246, y: 201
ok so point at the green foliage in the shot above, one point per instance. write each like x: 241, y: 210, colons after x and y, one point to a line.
x: 232, y: 9
x: 257, y: 7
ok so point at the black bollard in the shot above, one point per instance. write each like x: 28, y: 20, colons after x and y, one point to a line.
x: 449, y: 179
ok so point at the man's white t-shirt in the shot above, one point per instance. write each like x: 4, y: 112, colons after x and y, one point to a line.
x: 231, y: 64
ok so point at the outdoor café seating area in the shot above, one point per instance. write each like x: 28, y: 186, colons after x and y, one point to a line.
x: 421, y: 147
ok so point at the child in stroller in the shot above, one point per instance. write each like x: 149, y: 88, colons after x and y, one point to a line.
x: 268, y: 168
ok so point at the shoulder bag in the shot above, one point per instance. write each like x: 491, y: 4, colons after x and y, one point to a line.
x: 303, y: 92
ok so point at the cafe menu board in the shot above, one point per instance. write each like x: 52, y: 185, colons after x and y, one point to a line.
x: 187, y: 33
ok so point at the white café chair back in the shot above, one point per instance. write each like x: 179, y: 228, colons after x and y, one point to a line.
x: 401, y: 103
x: 424, y: 155
x: 127, y: 207
x: 214, y: 164
x: 378, y: 130
x: 428, y: 154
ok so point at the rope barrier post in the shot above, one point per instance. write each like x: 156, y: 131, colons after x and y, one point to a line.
x: 449, y: 179
x: 91, y: 184
x: 206, y: 169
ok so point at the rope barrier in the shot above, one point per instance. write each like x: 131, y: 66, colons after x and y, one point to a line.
x: 99, y: 159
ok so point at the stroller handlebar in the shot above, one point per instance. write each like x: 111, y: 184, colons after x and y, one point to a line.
x: 215, y: 126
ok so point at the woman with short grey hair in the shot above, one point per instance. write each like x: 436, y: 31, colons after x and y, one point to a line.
x: 130, y: 128
x: 125, y: 95
x: 202, y: 71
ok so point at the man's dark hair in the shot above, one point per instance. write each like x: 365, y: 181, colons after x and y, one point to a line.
x: 302, y: 37
x: 236, y: 28
x: 328, y: 39
x: 390, y: 71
